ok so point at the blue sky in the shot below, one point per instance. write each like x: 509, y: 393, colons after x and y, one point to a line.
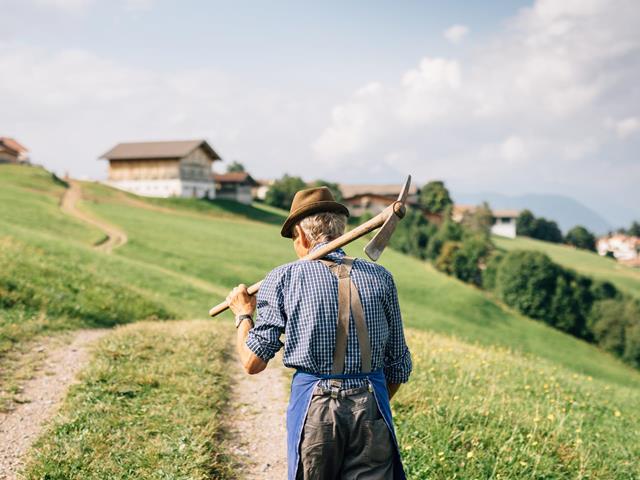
x: 511, y: 96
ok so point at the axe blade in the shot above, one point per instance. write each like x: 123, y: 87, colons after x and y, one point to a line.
x: 378, y: 243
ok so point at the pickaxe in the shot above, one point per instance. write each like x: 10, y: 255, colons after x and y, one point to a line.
x: 387, y: 219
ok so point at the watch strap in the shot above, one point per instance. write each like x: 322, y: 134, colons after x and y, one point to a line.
x: 241, y: 318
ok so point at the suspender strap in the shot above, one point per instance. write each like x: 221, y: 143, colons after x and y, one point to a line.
x: 349, y: 303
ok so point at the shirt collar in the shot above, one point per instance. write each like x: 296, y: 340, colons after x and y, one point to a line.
x: 336, y: 254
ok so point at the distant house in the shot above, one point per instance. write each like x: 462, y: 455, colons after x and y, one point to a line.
x: 361, y: 199
x: 504, y: 221
x: 163, y: 169
x: 624, y: 248
x: 11, y: 151
x: 259, y: 192
x: 235, y: 186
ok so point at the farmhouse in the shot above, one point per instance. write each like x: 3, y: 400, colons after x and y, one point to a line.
x: 625, y: 248
x: 373, y: 198
x: 163, y: 169
x: 504, y: 221
x: 235, y: 186
x: 12, y: 152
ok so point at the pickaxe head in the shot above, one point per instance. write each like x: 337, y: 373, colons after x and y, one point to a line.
x: 395, y: 213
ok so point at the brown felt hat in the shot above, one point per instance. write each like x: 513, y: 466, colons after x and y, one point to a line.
x: 308, y: 202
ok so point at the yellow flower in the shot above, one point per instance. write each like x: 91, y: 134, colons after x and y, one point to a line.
x: 617, y: 413
x: 524, y: 464
x: 470, y: 454
x: 550, y: 417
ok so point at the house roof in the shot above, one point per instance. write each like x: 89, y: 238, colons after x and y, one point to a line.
x: 13, y: 144
x: 387, y: 190
x: 154, y: 150
x: 235, y: 177
x: 459, y: 210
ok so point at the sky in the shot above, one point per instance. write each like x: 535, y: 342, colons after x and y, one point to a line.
x: 510, y: 96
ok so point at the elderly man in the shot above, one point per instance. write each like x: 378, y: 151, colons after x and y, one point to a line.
x: 343, y: 335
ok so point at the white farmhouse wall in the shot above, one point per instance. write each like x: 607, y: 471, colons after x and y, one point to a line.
x: 504, y: 229
x: 166, y: 188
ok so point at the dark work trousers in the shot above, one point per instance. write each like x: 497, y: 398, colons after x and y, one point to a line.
x: 345, y: 438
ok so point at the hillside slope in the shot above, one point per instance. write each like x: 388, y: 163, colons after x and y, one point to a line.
x: 525, y: 401
x: 625, y: 278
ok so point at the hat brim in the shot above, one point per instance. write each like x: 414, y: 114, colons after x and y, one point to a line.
x: 310, y: 209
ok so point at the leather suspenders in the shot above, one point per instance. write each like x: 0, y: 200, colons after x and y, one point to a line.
x: 348, y: 304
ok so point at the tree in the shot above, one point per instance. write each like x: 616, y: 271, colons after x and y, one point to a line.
x: 524, y: 223
x: 526, y: 280
x: 541, y: 228
x: 412, y: 234
x: 434, y: 197
x: 448, y: 231
x: 334, y: 187
x: 547, y: 230
x: 634, y: 230
x: 479, y: 220
x: 580, y: 237
x: 281, y: 193
x: 235, y: 166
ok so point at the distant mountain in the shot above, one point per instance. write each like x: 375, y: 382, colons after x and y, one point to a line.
x: 566, y: 211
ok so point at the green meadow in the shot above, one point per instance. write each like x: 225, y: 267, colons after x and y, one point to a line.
x: 494, y: 394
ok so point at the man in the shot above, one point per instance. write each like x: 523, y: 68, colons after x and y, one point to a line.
x: 343, y: 335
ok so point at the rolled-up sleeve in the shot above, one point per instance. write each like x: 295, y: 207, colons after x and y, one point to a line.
x: 397, y: 358
x: 264, y: 338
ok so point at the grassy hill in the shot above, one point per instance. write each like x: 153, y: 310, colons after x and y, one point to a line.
x: 625, y: 278
x: 483, y: 373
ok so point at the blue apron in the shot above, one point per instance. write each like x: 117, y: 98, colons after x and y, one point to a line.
x: 302, y: 387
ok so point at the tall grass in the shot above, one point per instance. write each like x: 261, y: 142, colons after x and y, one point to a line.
x: 471, y: 412
x: 149, y: 406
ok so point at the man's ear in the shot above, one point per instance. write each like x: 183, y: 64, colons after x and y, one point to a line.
x: 303, y: 238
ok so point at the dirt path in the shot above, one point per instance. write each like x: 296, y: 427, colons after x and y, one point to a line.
x: 116, y: 237
x: 42, y: 395
x: 258, y: 432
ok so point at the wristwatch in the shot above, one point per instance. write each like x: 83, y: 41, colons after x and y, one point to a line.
x: 240, y: 318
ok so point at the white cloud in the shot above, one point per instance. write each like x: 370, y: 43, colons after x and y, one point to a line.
x: 552, y: 74
x: 70, y: 106
x: 456, y: 33
x: 138, y: 5
x: 65, y: 5
x: 627, y: 127
x: 513, y: 149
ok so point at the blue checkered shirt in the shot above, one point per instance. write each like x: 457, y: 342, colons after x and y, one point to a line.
x: 300, y: 300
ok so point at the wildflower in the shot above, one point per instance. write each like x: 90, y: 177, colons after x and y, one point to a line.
x: 524, y: 464
x: 550, y: 417
x: 470, y: 454
x: 617, y: 413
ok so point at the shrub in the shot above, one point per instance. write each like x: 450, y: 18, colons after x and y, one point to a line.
x: 412, y: 234
x: 448, y: 231
x: 490, y: 272
x: 607, y: 325
x: 526, y: 280
x: 580, y: 237
x: 541, y: 228
x: 572, y: 301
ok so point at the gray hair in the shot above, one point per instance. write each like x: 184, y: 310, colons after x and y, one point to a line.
x: 323, y: 227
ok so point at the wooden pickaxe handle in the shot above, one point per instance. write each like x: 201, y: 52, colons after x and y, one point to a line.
x: 396, y: 208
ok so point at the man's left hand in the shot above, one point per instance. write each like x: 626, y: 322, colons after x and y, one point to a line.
x: 240, y: 302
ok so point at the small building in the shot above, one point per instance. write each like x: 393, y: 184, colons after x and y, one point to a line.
x: 11, y: 151
x: 504, y: 220
x: 625, y: 248
x: 163, y: 169
x: 259, y: 192
x: 373, y: 199
x: 235, y: 186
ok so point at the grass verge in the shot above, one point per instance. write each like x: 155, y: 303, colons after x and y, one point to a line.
x: 487, y: 412
x: 149, y: 405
